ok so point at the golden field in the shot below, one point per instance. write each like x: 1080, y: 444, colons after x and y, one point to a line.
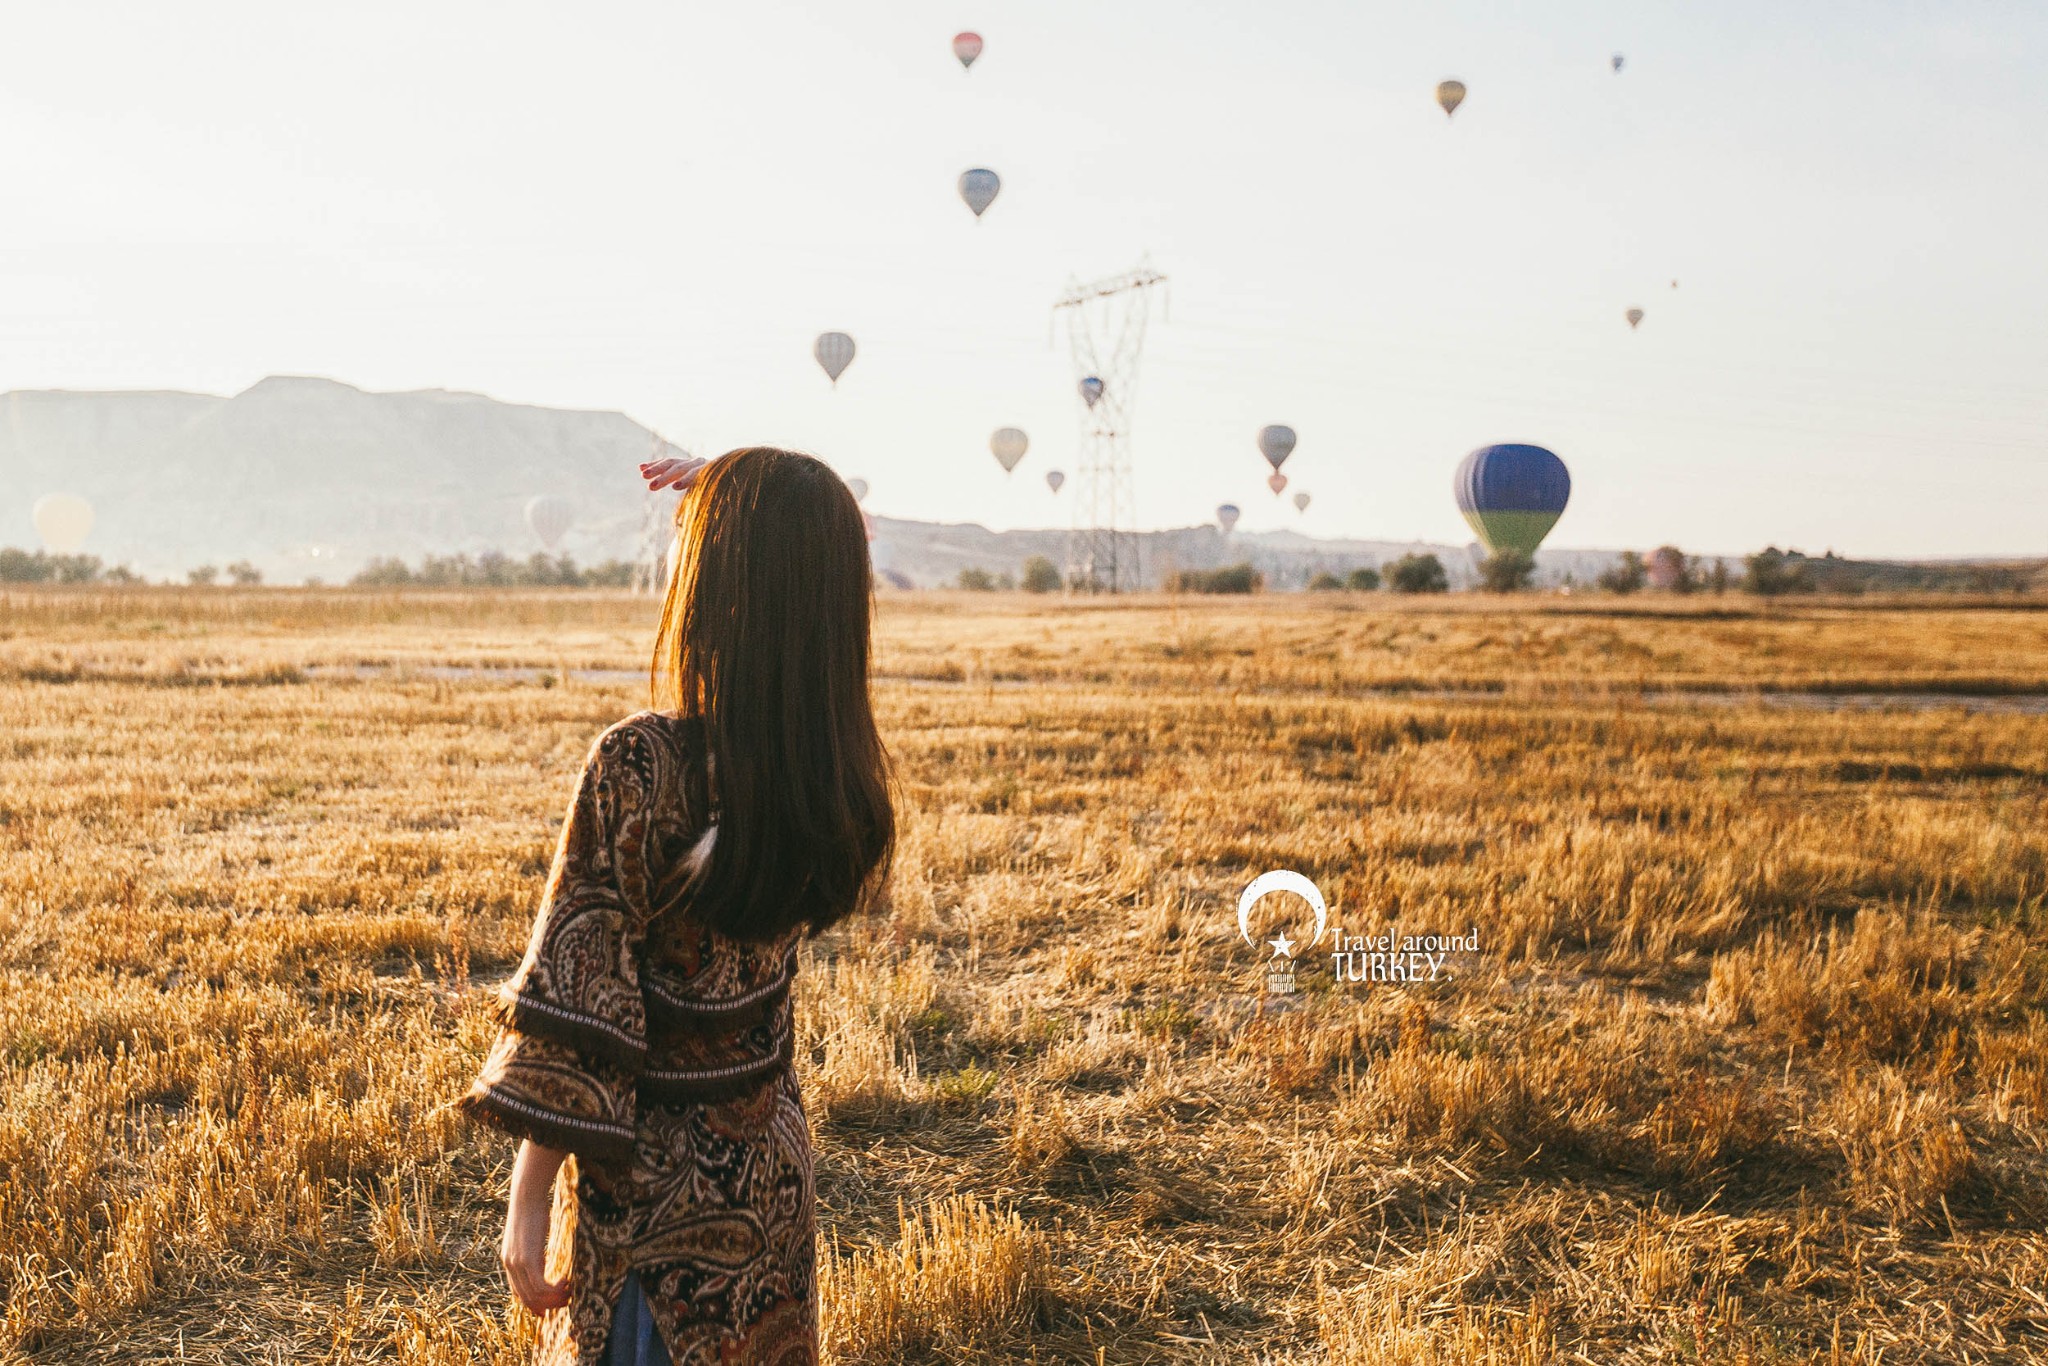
x: 1752, y: 1066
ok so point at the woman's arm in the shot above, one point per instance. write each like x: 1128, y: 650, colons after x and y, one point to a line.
x: 525, y: 1248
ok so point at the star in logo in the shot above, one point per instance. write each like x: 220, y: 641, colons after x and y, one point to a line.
x: 1283, y: 947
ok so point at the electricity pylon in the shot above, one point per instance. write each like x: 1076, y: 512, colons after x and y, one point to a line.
x: 1106, y: 334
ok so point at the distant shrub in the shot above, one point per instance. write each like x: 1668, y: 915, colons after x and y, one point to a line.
x: 492, y: 569
x: 23, y: 566
x: 1627, y: 574
x: 1363, y: 580
x: 1326, y: 582
x: 1236, y: 578
x: 1771, y: 571
x: 202, y: 576
x: 244, y: 574
x: 1418, y: 574
x: 1506, y: 571
x: 977, y: 580
x: 1041, y: 575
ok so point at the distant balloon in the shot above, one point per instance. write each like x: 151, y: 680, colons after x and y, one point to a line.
x: 1674, y: 284
x: 979, y: 188
x: 1091, y: 391
x: 1226, y: 517
x: 1009, y: 445
x: 1512, y: 495
x: 1667, y: 567
x: 834, y: 351
x: 1053, y: 480
x: 1301, y: 502
x: 549, y: 517
x: 1276, y: 444
x: 1617, y: 61
x: 1277, y: 482
x: 966, y: 46
x: 1635, y: 317
x: 859, y: 489
x: 63, y: 520
x: 1450, y: 94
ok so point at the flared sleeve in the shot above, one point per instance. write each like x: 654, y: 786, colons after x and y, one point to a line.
x: 573, y: 1037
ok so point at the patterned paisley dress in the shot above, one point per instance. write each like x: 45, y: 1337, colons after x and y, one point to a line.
x: 658, y: 1052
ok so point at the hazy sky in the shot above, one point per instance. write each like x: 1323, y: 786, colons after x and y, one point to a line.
x: 655, y: 207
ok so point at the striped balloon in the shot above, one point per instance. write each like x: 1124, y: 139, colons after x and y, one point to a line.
x: 1276, y: 444
x: 1512, y: 495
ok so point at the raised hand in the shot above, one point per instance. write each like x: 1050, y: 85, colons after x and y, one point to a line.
x: 672, y: 472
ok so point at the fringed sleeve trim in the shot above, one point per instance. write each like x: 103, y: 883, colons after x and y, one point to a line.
x: 668, y: 1008
x: 703, y: 1086
x: 598, y: 1140
x: 594, y: 1037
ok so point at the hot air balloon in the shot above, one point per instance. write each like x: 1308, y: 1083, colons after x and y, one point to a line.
x: 1667, y: 568
x: 1301, y: 502
x: 1226, y: 517
x: 1617, y: 61
x: 1276, y: 444
x: 1053, y: 480
x: 63, y: 520
x: 549, y: 517
x: 1009, y: 445
x: 1512, y: 495
x: 966, y: 46
x: 858, y: 488
x: 979, y: 188
x: 1635, y: 316
x: 834, y: 351
x: 1674, y: 284
x: 1091, y: 391
x: 1450, y: 94
x: 1277, y: 482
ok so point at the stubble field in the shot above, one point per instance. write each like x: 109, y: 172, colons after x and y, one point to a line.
x: 1752, y: 1065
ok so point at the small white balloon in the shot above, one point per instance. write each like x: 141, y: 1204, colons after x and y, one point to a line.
x: 63, y: 520
x: 1009, y: 445
x: 550, y: 517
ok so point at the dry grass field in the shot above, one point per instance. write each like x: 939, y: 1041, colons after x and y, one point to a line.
x: 1752, y: 1065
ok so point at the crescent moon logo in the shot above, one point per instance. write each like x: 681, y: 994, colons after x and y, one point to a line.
x: 1281, y: 880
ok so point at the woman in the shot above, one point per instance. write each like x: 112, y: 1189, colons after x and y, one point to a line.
x: 648, y: 1029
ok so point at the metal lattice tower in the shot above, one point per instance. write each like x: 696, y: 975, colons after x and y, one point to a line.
x: 1106, y: 334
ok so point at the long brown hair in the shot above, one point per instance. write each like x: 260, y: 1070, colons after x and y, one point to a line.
x: 764, y: 641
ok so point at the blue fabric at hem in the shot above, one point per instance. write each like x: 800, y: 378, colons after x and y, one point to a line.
x: 635, y: 1340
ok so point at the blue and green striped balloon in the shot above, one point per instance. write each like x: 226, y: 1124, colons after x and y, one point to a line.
x: 1512, y: 495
